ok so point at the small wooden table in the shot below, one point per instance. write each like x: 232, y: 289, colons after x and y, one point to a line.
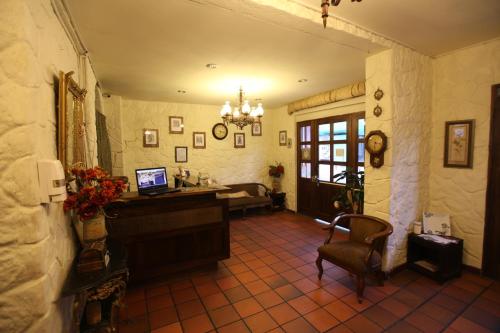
x: 440, y: 262
x: 104, y: 289
x: 278, y: 200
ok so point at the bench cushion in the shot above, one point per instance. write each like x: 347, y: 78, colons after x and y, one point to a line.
x: 249, y: 202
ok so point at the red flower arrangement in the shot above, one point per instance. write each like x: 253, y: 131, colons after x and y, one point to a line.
x: 94, y: 191
x: 276, y: 170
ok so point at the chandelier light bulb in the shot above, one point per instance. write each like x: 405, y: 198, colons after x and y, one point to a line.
x: 260, y: 110
x: 253, y: 112
x: 226, y: 109
x: 236, y: 112
x: 245, y: 108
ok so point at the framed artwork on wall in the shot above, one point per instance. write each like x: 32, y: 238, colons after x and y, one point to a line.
x: 199, y: 140
x: 282, y: 138
x: 239, y: 140
x: 150, y: 138
x: 256, y: 129
x: 176, y: 125
x: 181, y: 154
x: 459, y: 144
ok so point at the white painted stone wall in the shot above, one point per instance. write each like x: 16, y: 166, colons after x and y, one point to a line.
x: 36, y: 242
x: 462, y: 90
x: 111, y: 108
x: 220, y: 159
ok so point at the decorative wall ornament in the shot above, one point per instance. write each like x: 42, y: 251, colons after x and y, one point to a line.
x: 282, y: 138
x: 327, y: 97
x: 256, y: 129
x: 458, y: 144
x: 181, y: 154
x: 378, y: 94
x: 199, y: 140
x: 377, y: 111
x: 324, y: 8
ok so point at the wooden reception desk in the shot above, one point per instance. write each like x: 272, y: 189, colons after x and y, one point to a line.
x: 170, y: 232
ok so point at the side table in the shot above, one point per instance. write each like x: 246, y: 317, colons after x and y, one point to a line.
x: 278, y: 200
x: 440, y: 262
x: 98, y: 295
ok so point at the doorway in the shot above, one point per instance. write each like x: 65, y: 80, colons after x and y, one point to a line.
x: 491, y: 246
x: 326, y: 147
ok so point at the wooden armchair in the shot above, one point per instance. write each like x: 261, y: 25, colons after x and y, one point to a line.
x: 362, y: 253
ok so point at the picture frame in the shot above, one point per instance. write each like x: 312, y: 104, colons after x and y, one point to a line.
x: 199, y: 140
x: 256, y: 129
x: 150, y: 138
x: 175, y: 125
x: 181, y: 154
x: 459, y: 144
x: 282, y: 138
x: 239, y: 140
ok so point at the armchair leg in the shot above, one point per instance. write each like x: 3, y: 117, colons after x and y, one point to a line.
x: 360, y: 287
x: 319, y: 264
x: 380, y: 278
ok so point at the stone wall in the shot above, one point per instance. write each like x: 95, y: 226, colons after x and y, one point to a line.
x: 220, y: 159
x: 462, y: 90
x: 36, y: 242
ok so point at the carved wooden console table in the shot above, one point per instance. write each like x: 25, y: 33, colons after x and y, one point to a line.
x: 98, y: 296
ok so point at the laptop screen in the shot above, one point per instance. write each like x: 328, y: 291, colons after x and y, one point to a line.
x: 151, y: 179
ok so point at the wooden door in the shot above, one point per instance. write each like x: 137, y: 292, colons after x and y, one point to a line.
x: 491, y: 247
x: 326, y: 147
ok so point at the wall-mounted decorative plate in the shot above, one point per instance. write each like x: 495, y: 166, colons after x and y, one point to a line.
x: 378, y: 94
x: 377, y: 111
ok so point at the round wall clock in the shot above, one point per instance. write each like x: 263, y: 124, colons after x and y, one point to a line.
x: 376, y: 144
x: 219, y: 131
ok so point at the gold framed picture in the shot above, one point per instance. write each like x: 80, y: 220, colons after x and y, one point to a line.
x: 181, y: 154
x: 256, y: 129
x: 282, y: 138
x: 459, y: 144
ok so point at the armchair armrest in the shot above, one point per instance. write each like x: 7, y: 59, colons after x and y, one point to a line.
x: 332, y: 225
x: 370, y: 239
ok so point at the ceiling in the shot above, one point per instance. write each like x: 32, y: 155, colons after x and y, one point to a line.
x: 431, y: 27
x: 151, y: 49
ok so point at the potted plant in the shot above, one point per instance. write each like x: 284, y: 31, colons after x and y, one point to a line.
x: 276, y: 171
x: 351, y: 196
x: 90, y: 191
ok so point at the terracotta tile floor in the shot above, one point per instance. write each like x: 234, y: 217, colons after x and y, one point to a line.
x: 269, y: 285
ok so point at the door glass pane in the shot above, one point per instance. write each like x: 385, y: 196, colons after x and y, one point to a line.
x: 340, y: 152
x: 338, y: 169
x: 305, y: 170
x: 340, y: 131
x: 324, y: 152
x: 324, y: 172
x: 305, y: 133
x: 361, y: 152
x: 305, y: 151
x: 324, y: 132
x: 361, y: 128
x: 361, y: 168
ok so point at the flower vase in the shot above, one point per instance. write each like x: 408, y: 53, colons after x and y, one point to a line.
x: 91, y: 230
x: 276, y: 184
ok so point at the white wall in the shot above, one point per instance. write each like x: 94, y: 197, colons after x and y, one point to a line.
x: 36, y: 243
x: 111, y: 108
x: 462, y: 90
x: 220, y: 159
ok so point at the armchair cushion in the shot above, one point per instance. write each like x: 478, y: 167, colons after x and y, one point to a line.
x: 350, y: 254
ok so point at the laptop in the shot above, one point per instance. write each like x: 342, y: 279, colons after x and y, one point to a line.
x: 153, y: 181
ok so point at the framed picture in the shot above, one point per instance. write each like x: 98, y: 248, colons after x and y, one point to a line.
x: 176, y: 125
x: 239, y: 140
x: 181, y: 154
x: 150, y: 138
x: 458, y: 144
x: 256, y: 129
x: 282, y: 138
x: 199, y: 140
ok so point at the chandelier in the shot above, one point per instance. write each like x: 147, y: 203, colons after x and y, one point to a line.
x: 243, y: 114
x: 324, y: 8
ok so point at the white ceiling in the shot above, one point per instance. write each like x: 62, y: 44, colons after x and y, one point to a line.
x: 150, y: 49
x: 429, y: 26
